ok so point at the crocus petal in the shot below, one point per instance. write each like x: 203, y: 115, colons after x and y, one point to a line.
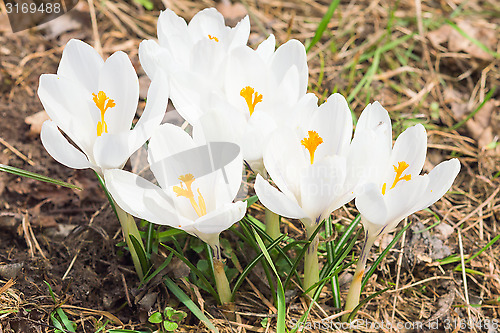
x: 266, y: 49
x: 156, y: 106
x: 333, y: 122
x: 139, y: 197
x: 111, y: 151
x: 256, y: 135
x: 64, y: 101
x: 240, y: 33
x: 245, y: 68
x: 149, y: 56
x: 402, y: 198
x: 166, y: 141
x: 367, y: 159
x: 80, y: 62
x: 321, y: 183
x: 278, y: 202
x: 411, y: 147
x: 371, y: 204
x: 119, y: 82
x: 173, y: 35
x: 440, y: 180
x: 284, y: 160
x: 220, y: 124
x: 374, y: 117
x: 292, y: 53
x: 207, y: 22
x: 221, y: 219
x: 60, y: 149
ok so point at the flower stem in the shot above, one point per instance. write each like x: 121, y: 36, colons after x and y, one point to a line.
x: 311, y: 264
x: 355, y: 289
x: 221, y: 281
x: 272, y: 224
x: 129, y: 227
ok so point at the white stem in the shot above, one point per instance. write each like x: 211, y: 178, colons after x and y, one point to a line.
x: 311, y: 264
x: 355, y: 289
x: 272, y: 224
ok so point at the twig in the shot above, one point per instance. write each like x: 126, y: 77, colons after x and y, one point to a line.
x: 17, y: 152
x: 464, y: 275
x: 400, y: 261
x: 456, y: 225
x: 95, y: 31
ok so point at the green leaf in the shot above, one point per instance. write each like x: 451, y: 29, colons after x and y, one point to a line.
x: 196, y: 271
x: 189, y: 303
x: 148, y: 4
x: 250, y: 201
x: 382, y: 255
x: 155, y: 318
x: 252, y: 264
x: 280, y: 325
x: 35, y: 176
x: 145, y: 264
x: 323, y: 24
x: 170, y: 326
x: 363, y: 302
x: 470, y: 115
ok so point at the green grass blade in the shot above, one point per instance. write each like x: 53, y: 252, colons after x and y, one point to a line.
x: 473, y: 40
x: 143, y: 259
x: 189, y: 303
x: 252, y: 264
x: 35, y: 176
x: 345, y: 236
x: 268, y: 238
x: 280, y: 326
x: 330, y: 253
x: 470, y: 115
x: 301, y: 255
x: 165, y: 235
x: 323, y: 24
x: 149, y: 238
x: 490, y: 243
x: 250, y: 201
x: 382, y: 255
x: 196, y: 271
x: 157, y: 271
x: 363, y: 302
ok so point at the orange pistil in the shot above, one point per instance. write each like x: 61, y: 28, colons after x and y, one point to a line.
x: 215, y: 39
x: 248, y: 94
x: 188, y: 179
x: 311, y: 143
x: 402, y: 166
x: 100, y: 101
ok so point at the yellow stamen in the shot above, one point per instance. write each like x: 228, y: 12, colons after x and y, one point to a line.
x: 402, y: 166
x: 248, y: 94
x: 188, y: 179
x: 100, y: 101
x: 311, y: 143
x: 213, y: 38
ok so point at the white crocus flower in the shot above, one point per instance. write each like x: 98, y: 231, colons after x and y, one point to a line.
x: 94, y: 103
x: 394, y: 189
x: 308, y: 164
x: 200, y: 204
x: 193, y: 55
x: 261, y: 89
x: 192, y: 194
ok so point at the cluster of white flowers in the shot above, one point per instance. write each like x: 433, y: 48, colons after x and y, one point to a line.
x: 255, y: 99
